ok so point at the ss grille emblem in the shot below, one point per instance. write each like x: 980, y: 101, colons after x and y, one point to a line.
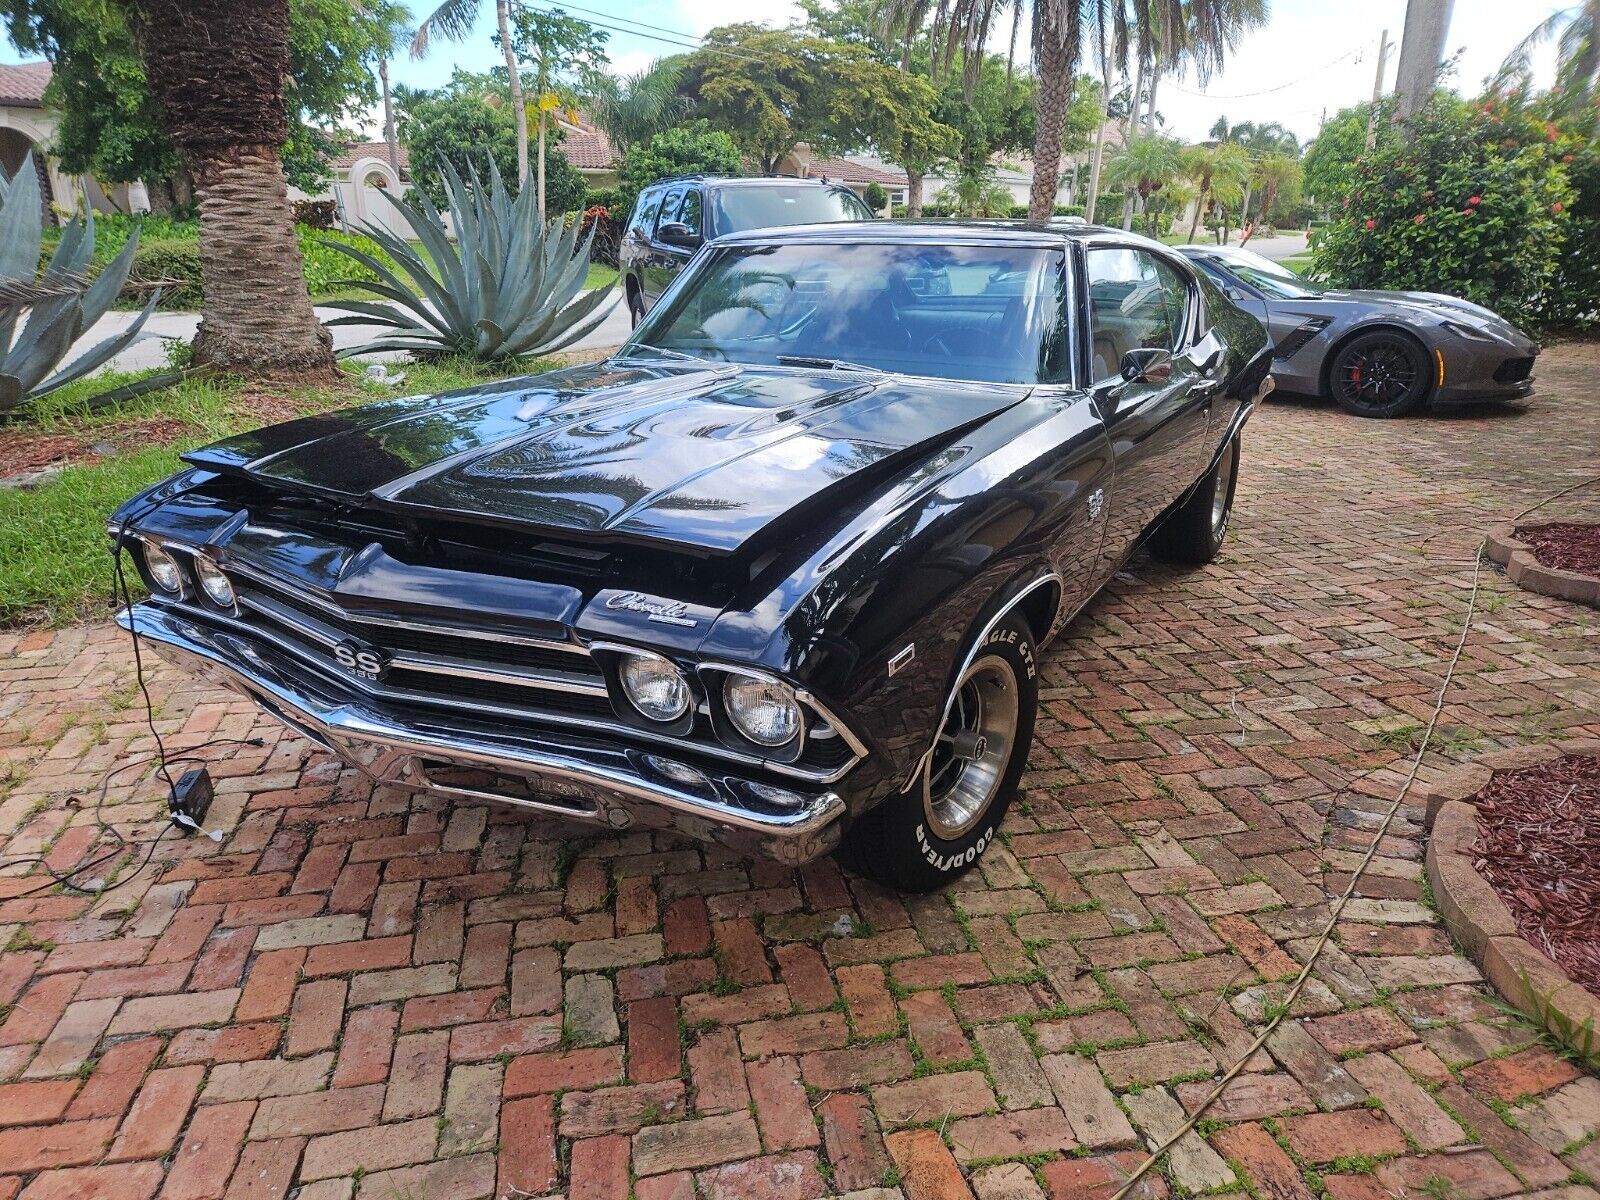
x: 1097, y: 501
x: 360, y: 660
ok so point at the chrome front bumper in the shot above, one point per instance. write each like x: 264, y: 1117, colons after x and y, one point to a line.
x: 571, y: 777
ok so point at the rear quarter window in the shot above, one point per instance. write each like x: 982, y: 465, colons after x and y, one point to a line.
x: 644, y: 212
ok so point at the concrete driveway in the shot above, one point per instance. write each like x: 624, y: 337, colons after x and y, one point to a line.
x: 162, y: 326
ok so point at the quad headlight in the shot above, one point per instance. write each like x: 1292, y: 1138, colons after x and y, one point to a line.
x: 762, y: 710
x: 654, y: 686
x: 213, y: 582
x: 163, y: 569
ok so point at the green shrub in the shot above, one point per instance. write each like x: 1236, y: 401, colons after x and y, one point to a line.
x: 1571, y: 300
x: 685, y: 150
x: 1466, y: 199
x: 326, y: 267
x: 1066, y: 210
x: 875, y: 196
x: 175, y: 262
x: 607, y: 198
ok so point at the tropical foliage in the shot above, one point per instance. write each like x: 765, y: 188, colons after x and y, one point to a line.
x: 690, y: 149
x: 1468, y: 199
x: 508, y: 286
x: 43, y: 314
x: 470, y: 119
x: 632, y: 109
x: 1145, y: 164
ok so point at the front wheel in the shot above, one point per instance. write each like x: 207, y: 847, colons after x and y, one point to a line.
x: 937, y: 828
x: 635, y: 306
x: 1380, y: 374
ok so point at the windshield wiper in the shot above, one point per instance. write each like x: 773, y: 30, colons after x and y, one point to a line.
x: 662, y: 352
x: 827, y: 364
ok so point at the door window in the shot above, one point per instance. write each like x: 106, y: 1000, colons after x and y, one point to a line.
x: 689, y: 211
x: 644, y: 215
x: 1136, y: 301
x: 669, y: 208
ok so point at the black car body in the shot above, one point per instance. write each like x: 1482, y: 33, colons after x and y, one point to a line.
x: 674, y: 217
x: 445, y: 590
x: 1338, y: 342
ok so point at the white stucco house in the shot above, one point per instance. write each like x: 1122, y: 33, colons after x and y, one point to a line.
x: 27, y: 127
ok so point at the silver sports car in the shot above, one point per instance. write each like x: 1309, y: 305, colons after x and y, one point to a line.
x: 1379, y: 354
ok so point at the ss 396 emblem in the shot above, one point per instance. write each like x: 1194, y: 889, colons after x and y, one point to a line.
x: 360, y: 659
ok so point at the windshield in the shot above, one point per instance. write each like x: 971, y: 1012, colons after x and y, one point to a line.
x: 762, y: 205
x: 1275, y: 285
x: 990, y: 313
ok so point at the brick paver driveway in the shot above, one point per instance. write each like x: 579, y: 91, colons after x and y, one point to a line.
x: 363, y: 993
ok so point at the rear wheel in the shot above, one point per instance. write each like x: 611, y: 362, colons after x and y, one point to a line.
x: 1193, y: 532
x: 937, y: 828
x: 1380, y: 374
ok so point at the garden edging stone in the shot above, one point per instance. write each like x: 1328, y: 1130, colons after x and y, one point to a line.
x: 1503, y: 546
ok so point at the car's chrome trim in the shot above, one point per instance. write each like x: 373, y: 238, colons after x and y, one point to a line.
x: 1050, y: 576
x: 608, y: 785
x: 420, y: 625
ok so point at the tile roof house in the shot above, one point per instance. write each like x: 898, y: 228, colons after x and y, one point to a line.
x: 27, y: 127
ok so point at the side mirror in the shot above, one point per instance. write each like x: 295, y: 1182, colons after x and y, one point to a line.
x: 1152, y: 365
x: 1234, y: 294
x: 676, y: 233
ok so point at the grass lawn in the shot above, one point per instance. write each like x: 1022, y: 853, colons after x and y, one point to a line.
x: 54, y: 565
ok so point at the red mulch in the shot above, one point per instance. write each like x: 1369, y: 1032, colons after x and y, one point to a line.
x: 22, y: 452
x: 1539, y: 848
x: 1565, y: 546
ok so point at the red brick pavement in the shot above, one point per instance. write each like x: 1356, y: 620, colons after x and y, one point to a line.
x: 362, y: 993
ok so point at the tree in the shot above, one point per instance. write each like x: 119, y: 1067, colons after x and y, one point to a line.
x: 467, y: 122
x: 221, y: 97
x: 1279, y: 177
x: 975, y: 193
x: 1145, y: 163
x: 1331, y: 160
x: 111, y: 129
x: 566, y: 54
x: 771, y: 89
x: 690, y: 149
x: 634, y: 108
x: 1198, y: 31
x: 1219, y: 166
x: 1576, y: 32
x: 453, y: 21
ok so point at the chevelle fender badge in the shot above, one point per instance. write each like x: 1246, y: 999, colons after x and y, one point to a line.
x: 1097, y: 501
x: 668, y: 612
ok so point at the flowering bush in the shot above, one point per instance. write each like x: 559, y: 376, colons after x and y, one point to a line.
x: 1467, y: 199
x: 1572, y: 297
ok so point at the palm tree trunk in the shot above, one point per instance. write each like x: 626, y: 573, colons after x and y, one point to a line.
x: 541, y: 166
x: 1199, y: 207
x: 1099, y: 140
x: 519, y: 104
x: 1150, y: 108
x: 1050, y: 108
x: 1244, y: 209
x: 388, y: 116
x: 217, y: 70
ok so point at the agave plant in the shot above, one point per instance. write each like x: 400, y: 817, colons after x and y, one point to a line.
x: 61, y: 305
x: 505, y: 288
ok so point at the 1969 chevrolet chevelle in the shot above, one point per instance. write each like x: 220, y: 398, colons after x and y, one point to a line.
x: 774, y: 575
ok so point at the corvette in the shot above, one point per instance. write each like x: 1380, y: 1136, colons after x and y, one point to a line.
x: 774, y: 575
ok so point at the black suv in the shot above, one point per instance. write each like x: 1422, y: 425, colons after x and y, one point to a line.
x: 674, y: 216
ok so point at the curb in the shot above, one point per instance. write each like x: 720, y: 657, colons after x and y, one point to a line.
x: 1517, y: 558
x: 1474, y: 914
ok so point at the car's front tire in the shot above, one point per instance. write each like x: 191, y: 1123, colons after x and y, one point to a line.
x: 1380, y: 374
x: 1193, y: 532
x: 936, y: 829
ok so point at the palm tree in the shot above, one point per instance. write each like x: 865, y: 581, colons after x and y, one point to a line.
x: 1200, y: 31
x: 217, y: 70
x: 635, y: 108
x: 453, y: 21
x: 1145, y: 164
x: 1219, y: 165
x: 1276, y: 173
x: 1576, y: 31
x: 975, y: 193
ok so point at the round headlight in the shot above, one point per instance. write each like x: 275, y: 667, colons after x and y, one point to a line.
x: 762, y: 710
x: 213, y: 582
x: 163, y: 569
x: 654, y: 686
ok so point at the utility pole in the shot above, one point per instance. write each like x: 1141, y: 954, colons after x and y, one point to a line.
x: 1377, y: 89
x: 1421, y: 51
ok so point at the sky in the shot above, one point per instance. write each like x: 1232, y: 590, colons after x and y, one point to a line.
x: 1313, y: 57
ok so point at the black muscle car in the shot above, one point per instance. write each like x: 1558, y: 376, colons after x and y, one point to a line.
x: 775, y: 574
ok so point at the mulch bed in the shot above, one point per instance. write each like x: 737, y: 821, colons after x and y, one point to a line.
x: 1539, y: 848
x: 1564, y: 546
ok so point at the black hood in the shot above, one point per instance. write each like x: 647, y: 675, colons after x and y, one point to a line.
x: 707, y: 458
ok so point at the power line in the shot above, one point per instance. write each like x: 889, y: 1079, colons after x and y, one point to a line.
x: 590, y: 17
x: 1355, y: 54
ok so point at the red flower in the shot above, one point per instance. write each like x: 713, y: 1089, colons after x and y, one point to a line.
x: 1347, y: 201
x: 1371, y: 224
x: 1566, y: 158
x: 1427, y: 198
x: 1474, y: 200
x: 1557, y: 207
x: 1418, y: 218
x: 1469, y: 211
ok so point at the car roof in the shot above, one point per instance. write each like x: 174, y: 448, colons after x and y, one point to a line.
x: 955, y: 230
x: 744, y: 181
